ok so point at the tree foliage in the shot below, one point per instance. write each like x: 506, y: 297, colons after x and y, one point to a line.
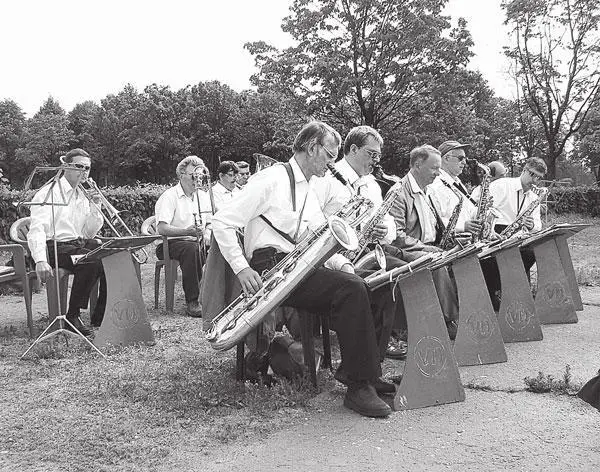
x: 556, y: 51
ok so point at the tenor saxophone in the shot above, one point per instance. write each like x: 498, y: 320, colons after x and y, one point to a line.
x: 245, y: 313
x: 448, y: 239
x: 519, y: 222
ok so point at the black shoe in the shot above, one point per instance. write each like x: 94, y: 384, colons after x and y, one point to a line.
x: 381, y: 386
x: 76, y: 322
x: 193, y: 309
x: 452, y: 329
x: 362, y: 398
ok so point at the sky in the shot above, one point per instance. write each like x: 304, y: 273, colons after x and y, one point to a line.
x: 76, y: 50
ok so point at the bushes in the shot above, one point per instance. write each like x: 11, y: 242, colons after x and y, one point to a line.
x: 582, y: 200
x: 135, y: 204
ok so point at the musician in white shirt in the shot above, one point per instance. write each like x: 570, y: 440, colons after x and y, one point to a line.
x: 185, y: 213
x: 243, y: 173
x: 74, y: 228
x: 342, y: 296
x: 453, y: 162
x: 226, y: 186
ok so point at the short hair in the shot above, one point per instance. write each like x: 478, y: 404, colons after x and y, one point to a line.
x: 422, y: 153
x: 186, y: 161
x: 536, y: 163
x: 315, y: 131
x: 242, y: 165
x: 68, y: 157
x: 359, y: 135
x: 228, y: 166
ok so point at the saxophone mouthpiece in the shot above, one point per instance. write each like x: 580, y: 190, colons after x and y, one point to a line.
x: 336, y: 174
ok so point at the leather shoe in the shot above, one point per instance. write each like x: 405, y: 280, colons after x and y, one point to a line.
x: 396, y: 350
x: 362, y: 398
x: 76, y: 322
x: 193, y: 309
x: 381, y: 386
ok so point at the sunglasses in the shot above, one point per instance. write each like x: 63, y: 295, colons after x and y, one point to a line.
x: 81, y: 166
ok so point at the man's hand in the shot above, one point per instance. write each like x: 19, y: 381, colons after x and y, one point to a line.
x: 43, y: 271
x: 528, y: 222
x: 473, y: 226
x: 190, y: 231
x: 428, y: 248
x: 249, y: 280
x: 379, y: 231
x: 348, y: 268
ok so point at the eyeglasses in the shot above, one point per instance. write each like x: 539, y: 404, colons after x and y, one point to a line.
x: 375, y: 155
x: 230, y: 174
x: 332, y: 155
x: 81, y: 166
x: 534, y: 176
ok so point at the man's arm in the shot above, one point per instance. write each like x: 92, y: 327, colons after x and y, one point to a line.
x: 403, y: 240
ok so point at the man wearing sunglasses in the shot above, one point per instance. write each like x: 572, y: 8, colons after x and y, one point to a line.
x: 74, y: 227
x: 512, y: 195
x: 226, y: 187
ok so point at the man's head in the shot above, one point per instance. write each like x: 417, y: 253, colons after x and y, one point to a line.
x: 425, y: 164
x: 497, y: 170
x: 185, y: 170
x: 228, y: 172
x: 243, y: 173
x: 362, y: 149
x: 453, y: 157
x: 534, y: 170
x: 79, y: 159
x: 316, y: 145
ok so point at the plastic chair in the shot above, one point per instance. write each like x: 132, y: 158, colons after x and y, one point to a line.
x: 170, y: 266
x: 18, y: 233
x: 19, y: 272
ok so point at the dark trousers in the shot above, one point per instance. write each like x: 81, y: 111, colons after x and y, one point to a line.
x: 346, y: 299
x: 489, y: 267
x: 188, y: 255
x: 85, y: 276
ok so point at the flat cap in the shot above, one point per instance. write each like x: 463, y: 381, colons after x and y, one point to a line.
x: 448, y: 146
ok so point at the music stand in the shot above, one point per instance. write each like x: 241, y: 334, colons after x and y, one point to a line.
x: 49, y: 199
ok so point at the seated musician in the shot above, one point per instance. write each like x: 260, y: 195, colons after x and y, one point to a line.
x: 497, y: 171
x: 276, y: 208
x: 362, y: 152
x: 74, y: 228
x: 243, y: 173
x: 184, y: 212
x: 418, y: 226
x: 453, y: 162
x: 512, y: 196
x: 226, y: 186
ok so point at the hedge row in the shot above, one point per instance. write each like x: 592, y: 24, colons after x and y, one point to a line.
x: 137, y: 203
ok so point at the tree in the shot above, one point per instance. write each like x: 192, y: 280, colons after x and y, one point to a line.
x: 556, y: 51
x: 80, y: 120
x: 362, y: 61
x: 12, y: 122
x: 587, y: 142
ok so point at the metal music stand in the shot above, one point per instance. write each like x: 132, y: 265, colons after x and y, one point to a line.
x: 64, y: 326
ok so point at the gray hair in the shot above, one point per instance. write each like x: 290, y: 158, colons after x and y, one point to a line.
x: 314, y: 132
x: 359, y: 135
x: 536, y: 163
x: 422, y: 153
x: 186, y: 161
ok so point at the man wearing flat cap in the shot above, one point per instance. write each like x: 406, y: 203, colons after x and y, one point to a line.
x: 448, y: 184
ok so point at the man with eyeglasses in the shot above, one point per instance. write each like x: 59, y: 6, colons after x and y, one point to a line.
x: 184, y: 213
x: 512, y: 195
x: 74, y: 227
x: 276, y: 209
x: 226, y: 186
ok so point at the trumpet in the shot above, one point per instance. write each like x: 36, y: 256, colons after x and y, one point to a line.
x: 110, y: 214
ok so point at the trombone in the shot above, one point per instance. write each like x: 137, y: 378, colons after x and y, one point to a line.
x: 201, y: 179
x: 91, y: 191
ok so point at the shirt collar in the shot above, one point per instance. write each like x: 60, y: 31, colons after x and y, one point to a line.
x: 298, y: 174
x: 414, y: 185
x: 65, y: 185
x: 344, y: 168
x: 179, y: 190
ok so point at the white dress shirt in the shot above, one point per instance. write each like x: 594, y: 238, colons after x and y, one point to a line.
x: 447, y: 200
x: 368, y: 187
x: 79, y: 219
x: 424, y: 204
x: 268, y: 193
x: 175, y: 208
x: 222, y: 195
x: 510, y: 201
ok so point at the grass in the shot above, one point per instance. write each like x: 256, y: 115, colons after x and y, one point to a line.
x: 546, y: 383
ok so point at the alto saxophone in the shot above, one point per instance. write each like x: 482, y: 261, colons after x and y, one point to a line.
x: 484, y: 207
x: 519, y: 222
x: 245, y: 313
x: 448, y: 239
x: 365, y: 236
